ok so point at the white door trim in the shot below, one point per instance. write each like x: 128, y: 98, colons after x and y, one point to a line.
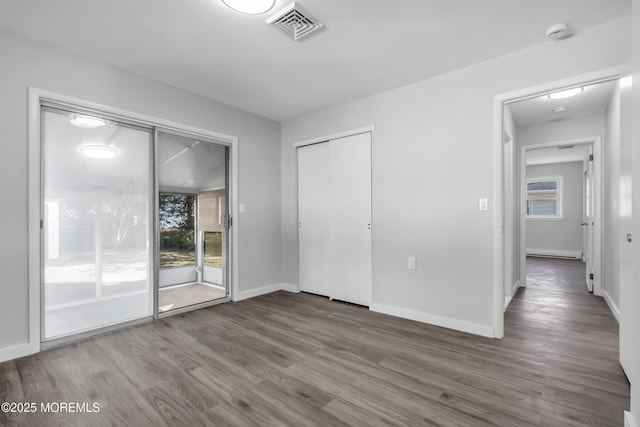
x: 334, y: 136
x: 35, y: 97
x: 498, y: 205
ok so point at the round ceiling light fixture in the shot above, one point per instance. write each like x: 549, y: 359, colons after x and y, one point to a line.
x: 566, y: 93
x: 559, y: 32
x: 85, y: 121
x: 250, y: 7
x: 97, y: 151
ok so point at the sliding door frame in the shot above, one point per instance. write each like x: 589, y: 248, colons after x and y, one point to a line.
x: 227, y: 274
x: 37, y: 97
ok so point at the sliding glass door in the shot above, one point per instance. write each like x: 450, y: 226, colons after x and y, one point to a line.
x: 121, y: 232
x: 96, y: 227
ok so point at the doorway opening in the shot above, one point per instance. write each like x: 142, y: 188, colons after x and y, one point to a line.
x: 193, y: 222
x: 561, y: 215
x: 552, y: 182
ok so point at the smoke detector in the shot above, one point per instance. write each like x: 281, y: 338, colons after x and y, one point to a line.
x: 559, y: 32
x: 294, y: 22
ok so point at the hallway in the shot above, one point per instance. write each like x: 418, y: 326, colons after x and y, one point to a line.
x: 574, y: 336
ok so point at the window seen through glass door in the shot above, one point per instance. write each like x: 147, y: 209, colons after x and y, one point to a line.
x: 177, y: 230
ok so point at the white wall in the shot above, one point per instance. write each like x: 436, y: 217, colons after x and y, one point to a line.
x: 560, y: 130
x: 29, y: 63
x: 565, y: 234
x: 432, y: 161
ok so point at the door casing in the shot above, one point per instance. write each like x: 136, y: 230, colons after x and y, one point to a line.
x: 499, y: 237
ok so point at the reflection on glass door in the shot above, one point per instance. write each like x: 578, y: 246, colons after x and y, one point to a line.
x: 192, y: 179
x: 96, y: 210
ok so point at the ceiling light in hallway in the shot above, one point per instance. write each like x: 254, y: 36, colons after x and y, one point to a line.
x: 566, y: 93
x: 250, y: 7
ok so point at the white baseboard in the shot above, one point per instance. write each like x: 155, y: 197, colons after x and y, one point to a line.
x: 508, y: 298
x: 507, y: 301
x: 251, y: 293
x: 555, y: 253
x: 515, y: 287
x: 628, y: 420
x: 446, y: 322
x: 289, y: 287
x: 16, y: 351
x: 614, y: 308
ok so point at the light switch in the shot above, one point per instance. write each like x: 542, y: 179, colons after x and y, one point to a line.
x: 483, y: 204
x: 411, y: 264
x: 242, y: 208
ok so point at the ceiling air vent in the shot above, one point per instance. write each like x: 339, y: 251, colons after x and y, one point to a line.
x: 295, y: 23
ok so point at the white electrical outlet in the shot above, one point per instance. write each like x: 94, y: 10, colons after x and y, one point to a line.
x: 411, y: 264
x: 242, y: 208
x: 483, y: 204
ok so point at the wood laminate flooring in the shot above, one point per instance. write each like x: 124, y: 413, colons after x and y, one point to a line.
x: 301, y: 360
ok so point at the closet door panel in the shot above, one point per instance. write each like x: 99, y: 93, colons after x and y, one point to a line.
x: 313, y: 206
x: 350, y: 218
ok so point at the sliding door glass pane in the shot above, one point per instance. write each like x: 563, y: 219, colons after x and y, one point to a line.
x: 96, y: 224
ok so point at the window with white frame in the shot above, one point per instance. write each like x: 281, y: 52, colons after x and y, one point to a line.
x: 544, y: 197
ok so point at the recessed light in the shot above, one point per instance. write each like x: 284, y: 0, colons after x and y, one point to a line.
x: 559, y: 109
x: 250, y: 7
x: 85, y: 121
x: 566, y: 93
x: 97, y: 151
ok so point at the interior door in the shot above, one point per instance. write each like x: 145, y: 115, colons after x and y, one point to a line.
x: 313, y: 225
x: 334, y: 196
x: 629, y: 233
x: 350, y: 215
x: 508, y: 214
x: 588, y: 219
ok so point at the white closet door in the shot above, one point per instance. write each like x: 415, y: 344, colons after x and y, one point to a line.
x: 313, y: 208
x: 350, y: 218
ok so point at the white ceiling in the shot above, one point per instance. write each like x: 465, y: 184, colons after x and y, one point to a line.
x: 594, y: 99
x: 545, y: 156
x: 367, y: 46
